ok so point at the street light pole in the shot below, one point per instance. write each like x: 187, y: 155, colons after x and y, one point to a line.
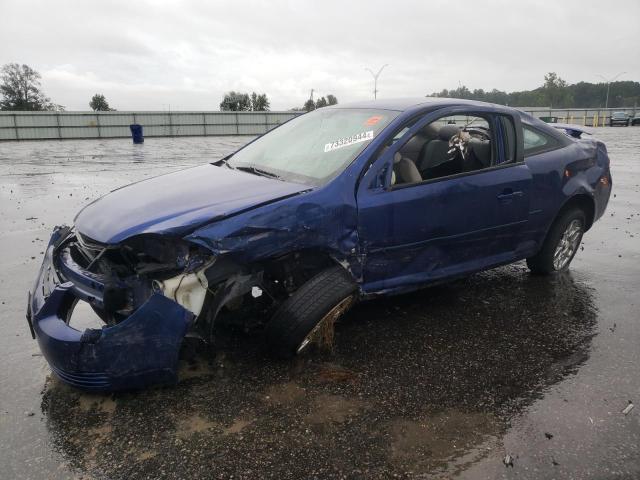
x: 608, y: 82
x: 375, y: 79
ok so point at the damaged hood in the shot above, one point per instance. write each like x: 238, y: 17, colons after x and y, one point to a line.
x: 178, y: 202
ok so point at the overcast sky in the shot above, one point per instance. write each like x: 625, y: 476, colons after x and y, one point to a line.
x: 152, y: 54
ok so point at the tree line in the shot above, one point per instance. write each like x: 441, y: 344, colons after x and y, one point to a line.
x: 556, y: 93
x: 319, y: 103
x: 20, y: 89
x: 243, y: 102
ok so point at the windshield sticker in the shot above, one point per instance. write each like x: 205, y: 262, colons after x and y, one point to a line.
x: 347, y: 141
x: 371, y: 121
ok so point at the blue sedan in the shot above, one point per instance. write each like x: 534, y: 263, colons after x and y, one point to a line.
x: 333, y: 207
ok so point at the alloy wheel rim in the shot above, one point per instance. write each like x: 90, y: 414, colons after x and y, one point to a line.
x: 567, y: 245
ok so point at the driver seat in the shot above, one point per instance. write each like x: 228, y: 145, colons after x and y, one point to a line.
x: 434, y: 153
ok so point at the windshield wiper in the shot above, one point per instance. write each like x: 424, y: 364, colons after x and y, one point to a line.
x: 258, y: 171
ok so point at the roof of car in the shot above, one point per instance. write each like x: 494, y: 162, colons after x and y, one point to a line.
x: 402, y: 104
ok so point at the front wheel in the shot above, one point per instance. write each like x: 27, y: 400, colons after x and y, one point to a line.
x: 308, y: 316
x: 561, y: 244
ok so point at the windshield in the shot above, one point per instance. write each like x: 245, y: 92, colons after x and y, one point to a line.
x: 315, y: 147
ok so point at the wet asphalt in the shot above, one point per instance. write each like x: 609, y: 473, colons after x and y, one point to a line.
x: 442, y: 383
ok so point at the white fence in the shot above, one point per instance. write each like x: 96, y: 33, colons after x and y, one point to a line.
x: 67, y: 125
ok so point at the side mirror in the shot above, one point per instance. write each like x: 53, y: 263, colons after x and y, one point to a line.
x: 379, y: 180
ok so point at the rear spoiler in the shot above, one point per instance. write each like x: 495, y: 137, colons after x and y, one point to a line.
x: 573, y: 131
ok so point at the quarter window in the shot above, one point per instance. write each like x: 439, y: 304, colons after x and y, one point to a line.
x: 536, y: 141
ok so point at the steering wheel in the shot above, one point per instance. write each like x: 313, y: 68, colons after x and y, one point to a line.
x: 479, y: 132
x: 459, y: 144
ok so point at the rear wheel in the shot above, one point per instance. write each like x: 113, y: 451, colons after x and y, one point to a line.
x: 308, y: 316
x: 561, y: 244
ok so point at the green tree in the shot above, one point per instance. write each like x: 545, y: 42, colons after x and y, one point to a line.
x: 260, y: 103
x: 555, y: 91
x: 99, y: 103
x: 235, y: 102
x: 321, y: 102
x: 497, y: 96
x: 309, y: 105
x: 332, y: 100
x: 20, y: 89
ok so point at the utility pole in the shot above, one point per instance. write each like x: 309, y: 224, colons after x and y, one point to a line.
x: 311, y: 96
x: 608, y: 82
x: 375, y: 79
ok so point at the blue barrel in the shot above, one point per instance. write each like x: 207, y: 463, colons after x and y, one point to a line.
x: 136, y: 133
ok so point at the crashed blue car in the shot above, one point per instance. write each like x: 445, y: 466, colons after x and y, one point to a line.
x: 335, y: 206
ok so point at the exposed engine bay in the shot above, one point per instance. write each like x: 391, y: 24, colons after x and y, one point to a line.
x: 132, y: 271
x: 212, y: 289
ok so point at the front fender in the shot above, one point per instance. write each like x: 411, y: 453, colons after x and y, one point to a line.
x: 322, y: 220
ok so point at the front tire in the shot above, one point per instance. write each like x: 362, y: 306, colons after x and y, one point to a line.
x: 308, y: 316
x: 561, y: 243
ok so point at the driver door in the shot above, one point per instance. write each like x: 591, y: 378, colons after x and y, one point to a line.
x: 449, y: 220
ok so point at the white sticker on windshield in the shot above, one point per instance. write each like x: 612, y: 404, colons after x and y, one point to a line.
x: 351, y: 140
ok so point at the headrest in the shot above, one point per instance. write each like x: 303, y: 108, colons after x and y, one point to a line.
x: 397, y: 157
x: 448, y: 131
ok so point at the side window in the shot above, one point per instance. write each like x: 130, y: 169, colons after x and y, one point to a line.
x: 536, y: 141
x: 448, y: 146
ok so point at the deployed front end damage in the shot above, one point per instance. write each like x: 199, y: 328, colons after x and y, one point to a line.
x: 148, y: 290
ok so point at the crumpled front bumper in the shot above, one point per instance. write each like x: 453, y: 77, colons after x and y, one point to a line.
x: 139, y: 351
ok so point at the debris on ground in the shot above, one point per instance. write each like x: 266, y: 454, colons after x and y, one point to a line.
x: 628, y: 408
x: 330, y: 373
x: 548, y: 435
x: 508, y: 460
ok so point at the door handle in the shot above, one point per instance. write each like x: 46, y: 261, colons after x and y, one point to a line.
x: 508, y: 194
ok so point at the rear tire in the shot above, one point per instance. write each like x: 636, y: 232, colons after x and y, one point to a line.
x: 561, y: 243
x: 309, y: 314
